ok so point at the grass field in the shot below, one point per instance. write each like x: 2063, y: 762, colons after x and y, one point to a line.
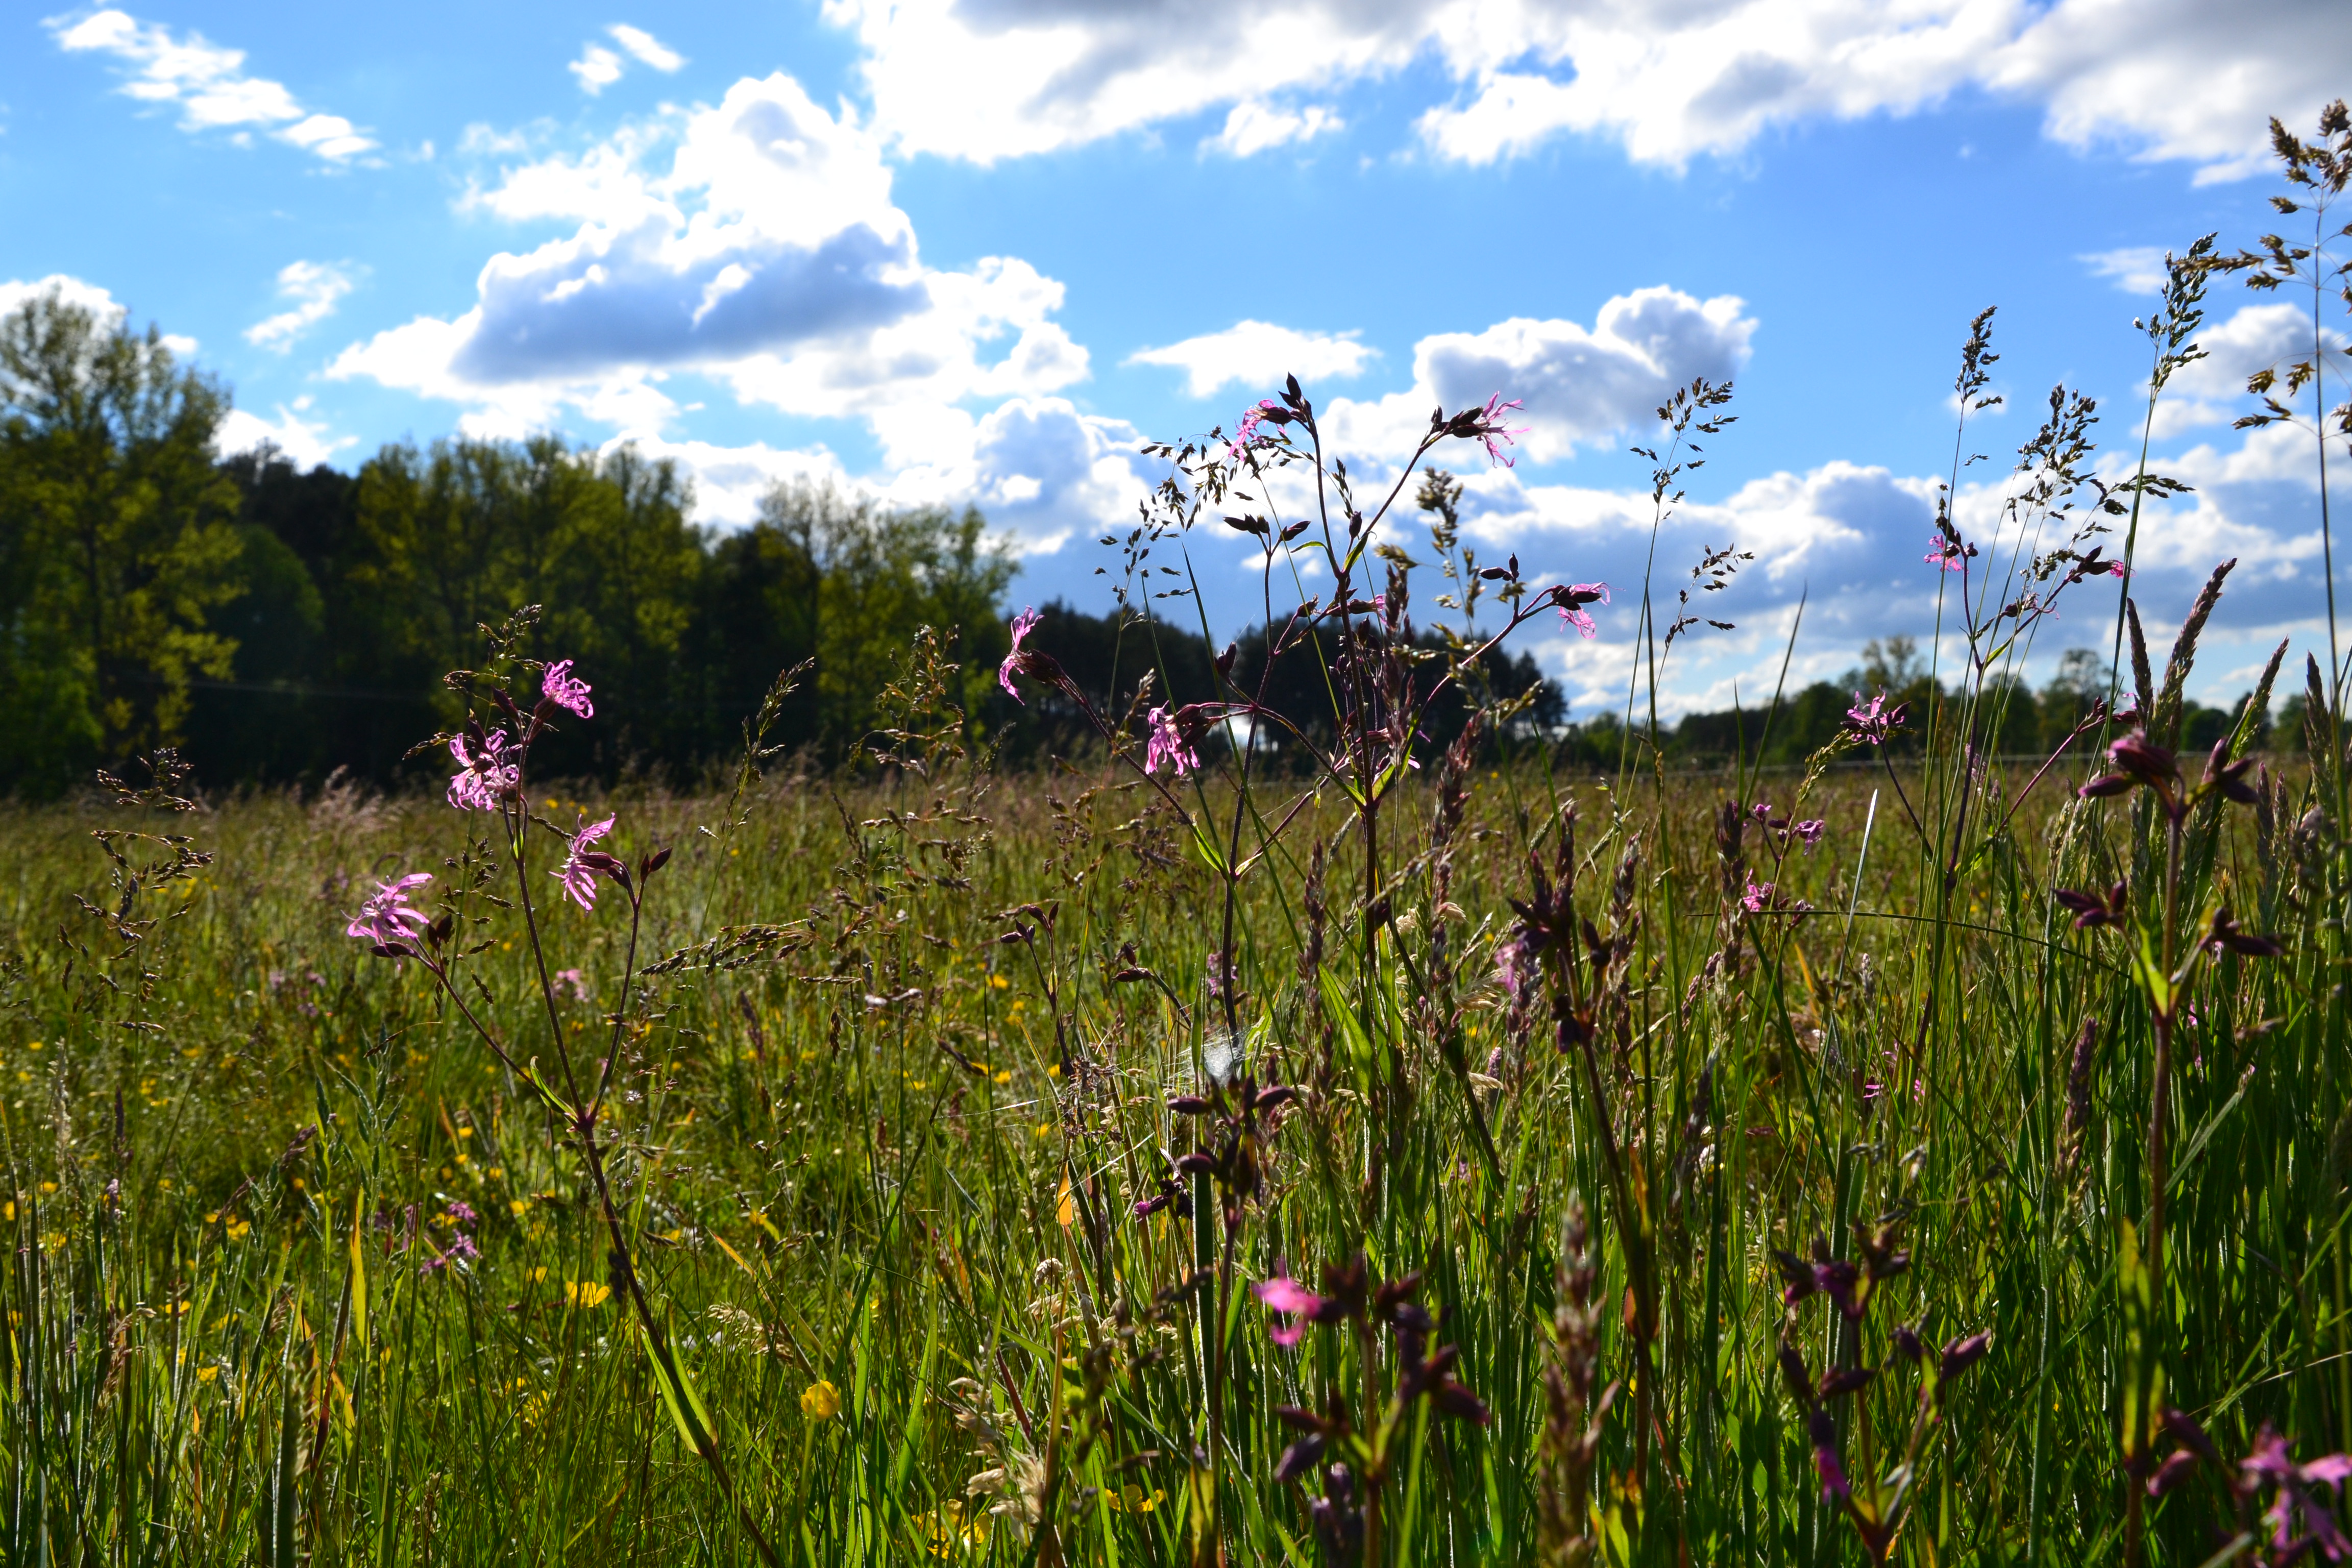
x: 302, y: 1272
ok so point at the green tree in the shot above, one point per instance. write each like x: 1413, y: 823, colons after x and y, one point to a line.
x: 116, y: 538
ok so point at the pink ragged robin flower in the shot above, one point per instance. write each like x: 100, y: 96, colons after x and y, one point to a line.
x: 1022, y: 625
x: 1572, y: 600
x: 1293, y: 1303
x: 1757, y: 897
x: 485, y: 776
x: 387, y: 915
x: 560, y: 687
x: 584, y: 864
x: 1167, y: 744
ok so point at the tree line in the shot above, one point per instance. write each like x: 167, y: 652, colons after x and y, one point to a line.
x: 277, y: 624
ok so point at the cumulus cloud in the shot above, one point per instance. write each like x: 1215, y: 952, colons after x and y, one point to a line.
x: 1257, y: 353
x: 599, y: 68
x: 1578, y: 385
x: 984, y: 80
x: 73, y: 290
x: 304, y: 442
x: 754, y: 241
x: 1255, y: 127
x: 2135, y: 268
x: 314, y: 288
x: 208, y: 82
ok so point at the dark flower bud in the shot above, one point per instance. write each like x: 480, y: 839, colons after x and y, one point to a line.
x: 1146, y: 1207
x: 1196, y: 1164
x: 1845, y: 1379
x: 1233, y: 650
x: 1187, y: 1105
x: 2178, y: 1467
x: 1298, y: 1419
x: 1451, y: 1399
x: 1963, y: 1354
x: 1907, y: 1344
x: 1792, y: 1371
x: 1274, y: 1095
x: 1298, y: 1459
x: 2223, y: 936
x: 2143, y: 759
x: 2103, y: 786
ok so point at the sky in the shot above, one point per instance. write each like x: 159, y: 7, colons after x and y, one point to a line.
x: 980, y: 251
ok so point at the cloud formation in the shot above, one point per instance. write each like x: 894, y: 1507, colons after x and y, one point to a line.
x: 1257, y: 354
x: 599, y: 68
x: 315, y: 287
x: 208, y: 82
x: 984, y: 80
x: 1578, y: 385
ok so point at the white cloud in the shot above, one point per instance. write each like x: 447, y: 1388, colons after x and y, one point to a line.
x: 1253, y: 127
x: 984, y: 80
x: 2136, y: 268
x: 648, y: 50
x: 73, y: 290
x: 597, y: 68
x: 315, y: 287
x: 208, y: 82
x: 1578, y: 387
x: 1257, y: 353
x: 306, y: 442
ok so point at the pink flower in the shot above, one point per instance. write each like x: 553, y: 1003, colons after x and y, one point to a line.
x: 1873, y: 721
x: 1167, y: 744
x: 387, y: 915
x: 584, y: 864
x: 1287, y: 1298
x: 1511, y: 967
x: 573, y: 980
x: 485, y: 777
x: 1809, y: 833
x: 1247, y: 430
x: 1755, y: 899
x: 2115, y: 568
x: 1488, y: 426
x: 1022, y: 625
x: 560, y: 688
x: 462, y: 1212
x: 1948, y: 553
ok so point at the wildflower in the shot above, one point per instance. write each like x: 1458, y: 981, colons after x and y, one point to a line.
x: 1809, y: 834
x: 1487, y: 426
x: 1823, y: 1432
x: 485, y: 777
x: 560, y: 687
x: 462, y: 1248
x: 1246, y: 432
x: 1946, y: 552
x: 1573, y: 599
x: 582, y: 866
x: 1512, y: 967
x: 1961, y: 1354
x: 820, y: 1401
x: 1028, y: 661
x: 1756, y: 896
x: 2273, y: 1462
x: 1167, y: 744
x: 573, y: 980
x: 387, y: 917
x: 2092, y: 910
x: 1873, y: 721
x: 462, y: 1212
x: 1295, y: 1303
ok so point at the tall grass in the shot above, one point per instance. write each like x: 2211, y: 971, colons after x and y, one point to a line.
x: 1321, y: 1154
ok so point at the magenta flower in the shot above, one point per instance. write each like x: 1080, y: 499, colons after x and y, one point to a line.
x: 1572, y: 600
x: 1570, y: 616
x: 1949, y: 554
x: 1873, y: 721
x: 575, y: 981
x: 2115, y: 568
x: 387, y: 915
x: 1512, y: 967
x: 1823, y: 1432
x: 462, y: 1212
x: 1290, y: 1300
x: 1756, y: 896
x: 484, y: 778
x: 1022, y: 625
x: 1247, y: 430
x: 584, y: 864
x: 1167, y: 744
x: 1487, y: 426
x: 1809, y: 833
x: 563, y: 688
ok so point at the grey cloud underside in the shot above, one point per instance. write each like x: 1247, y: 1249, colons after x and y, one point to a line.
x: 643, y: 310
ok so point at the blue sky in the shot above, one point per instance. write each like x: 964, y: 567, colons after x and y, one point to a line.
x: 980, y: 249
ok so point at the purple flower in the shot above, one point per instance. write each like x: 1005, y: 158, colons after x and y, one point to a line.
x: 462, y: 1248
x: 1823, y: 1432
x: 2115, y: 568
x: 1487, y: 426
x: 1290, y: 1300
x: 1873, y: 721
x: 1512, y: 968
x: 1755, y: 899
x: 584, y: 864
x: 563, y: 688
x: 1022, y: 625
x: 387, y: 915
x: 1247, y: 430
x: 485, y: 777
x: 1950, y: 554
x: 1809, y: 833
x: 575, y: 981
x: 1167, y: 744
x: 1572, y: 600
x: 462, y: 1212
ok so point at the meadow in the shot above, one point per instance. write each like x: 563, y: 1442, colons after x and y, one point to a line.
x: 1240, y: 1137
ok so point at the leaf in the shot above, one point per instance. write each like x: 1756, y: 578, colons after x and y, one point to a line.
x: 678, y: 1398
x: 359, y: 1268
